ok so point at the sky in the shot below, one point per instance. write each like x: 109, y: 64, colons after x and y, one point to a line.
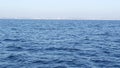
x: 57, y: 9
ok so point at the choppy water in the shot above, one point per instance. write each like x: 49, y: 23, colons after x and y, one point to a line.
x: 59, y: 44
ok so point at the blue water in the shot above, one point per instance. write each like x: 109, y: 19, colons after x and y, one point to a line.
x: 59, y: 44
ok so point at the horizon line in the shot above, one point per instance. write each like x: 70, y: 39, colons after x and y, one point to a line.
x: 55, y: 19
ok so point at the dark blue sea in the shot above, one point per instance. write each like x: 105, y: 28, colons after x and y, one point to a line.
x: 59, y: 43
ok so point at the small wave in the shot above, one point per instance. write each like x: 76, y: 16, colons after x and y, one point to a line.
x: 41, y: 62
x: 14, y: 48
x: 60, y: 67
x: 13, y: 40
x: 63, y: 49
x: 15, y: 58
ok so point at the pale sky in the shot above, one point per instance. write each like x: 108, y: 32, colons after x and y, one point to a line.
x: 76, y: 9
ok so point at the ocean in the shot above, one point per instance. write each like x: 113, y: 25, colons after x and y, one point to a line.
x: 59, y: 43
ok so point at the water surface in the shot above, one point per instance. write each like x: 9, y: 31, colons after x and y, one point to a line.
x: 59, y: 44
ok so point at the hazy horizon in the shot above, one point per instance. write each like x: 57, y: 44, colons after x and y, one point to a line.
x: 60, y: 9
